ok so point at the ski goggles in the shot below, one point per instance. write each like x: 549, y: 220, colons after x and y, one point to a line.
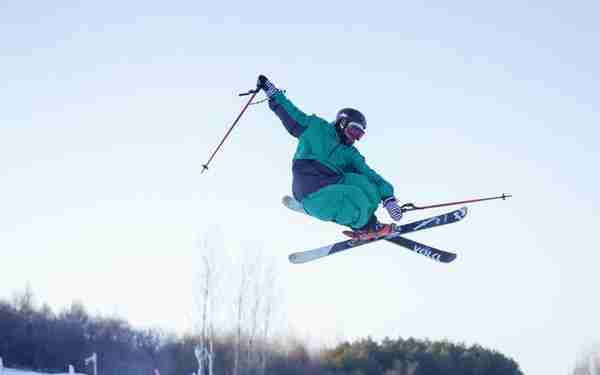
x: 354, y: 131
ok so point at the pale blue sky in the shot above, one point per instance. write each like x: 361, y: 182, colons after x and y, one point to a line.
x: 108, y: 110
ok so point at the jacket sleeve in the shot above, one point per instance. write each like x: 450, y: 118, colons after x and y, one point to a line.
x: 294, y: 120
x: 386, y: 189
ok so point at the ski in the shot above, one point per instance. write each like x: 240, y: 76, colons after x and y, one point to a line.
x: 435, y: 254
x: 428, y: 251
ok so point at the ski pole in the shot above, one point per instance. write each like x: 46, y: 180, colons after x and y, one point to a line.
x: 250, y: 92
x: 412, y: 207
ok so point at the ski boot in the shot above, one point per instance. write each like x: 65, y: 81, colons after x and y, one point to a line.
x: 372, y: 232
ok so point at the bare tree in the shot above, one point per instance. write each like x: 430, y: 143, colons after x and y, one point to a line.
x: 241, y: 299
x: 256, y: 299
x: 24, y: 301
x: 588, y: 363
x: 208, y: 286
x: 255, y: 304
x: 249, y: 289
x: 271, y: 301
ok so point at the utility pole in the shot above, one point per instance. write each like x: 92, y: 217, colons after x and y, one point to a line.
x: 93, y: 358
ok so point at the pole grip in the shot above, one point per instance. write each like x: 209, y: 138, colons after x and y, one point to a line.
x: 250, y: 92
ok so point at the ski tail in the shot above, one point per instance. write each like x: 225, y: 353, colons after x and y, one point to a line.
x: 428, y: 251
x: 292, y: 204
x: 310, y: 255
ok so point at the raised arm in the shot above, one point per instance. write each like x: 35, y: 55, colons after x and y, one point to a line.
x: 294, y: 120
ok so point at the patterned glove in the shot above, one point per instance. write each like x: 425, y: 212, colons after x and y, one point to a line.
x: 263, y: 83
x: 391, y: 205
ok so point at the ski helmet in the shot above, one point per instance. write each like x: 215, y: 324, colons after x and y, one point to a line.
x: 352, y: 124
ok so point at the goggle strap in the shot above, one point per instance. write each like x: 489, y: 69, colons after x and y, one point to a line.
x: 357, y: 125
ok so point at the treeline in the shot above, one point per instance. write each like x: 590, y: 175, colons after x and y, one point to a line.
x: 417, y: 357
x: 38, y: 339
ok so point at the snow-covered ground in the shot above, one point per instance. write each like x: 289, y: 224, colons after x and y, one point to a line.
x: 10, y: 371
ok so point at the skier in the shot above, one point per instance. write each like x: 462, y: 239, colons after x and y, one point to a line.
x: 331, y: 179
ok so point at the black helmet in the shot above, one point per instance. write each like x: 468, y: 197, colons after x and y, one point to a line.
x: 351, y: 123
x: 352, y: 115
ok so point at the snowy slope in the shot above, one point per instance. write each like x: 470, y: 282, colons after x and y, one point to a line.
x: 9, y: 371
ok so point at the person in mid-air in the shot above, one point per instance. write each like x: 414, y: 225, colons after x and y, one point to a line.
x: 331, y: 179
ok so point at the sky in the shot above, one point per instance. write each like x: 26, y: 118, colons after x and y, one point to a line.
x: 109, y: 109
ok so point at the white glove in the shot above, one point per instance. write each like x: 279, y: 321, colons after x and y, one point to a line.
x: 391, y: 205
